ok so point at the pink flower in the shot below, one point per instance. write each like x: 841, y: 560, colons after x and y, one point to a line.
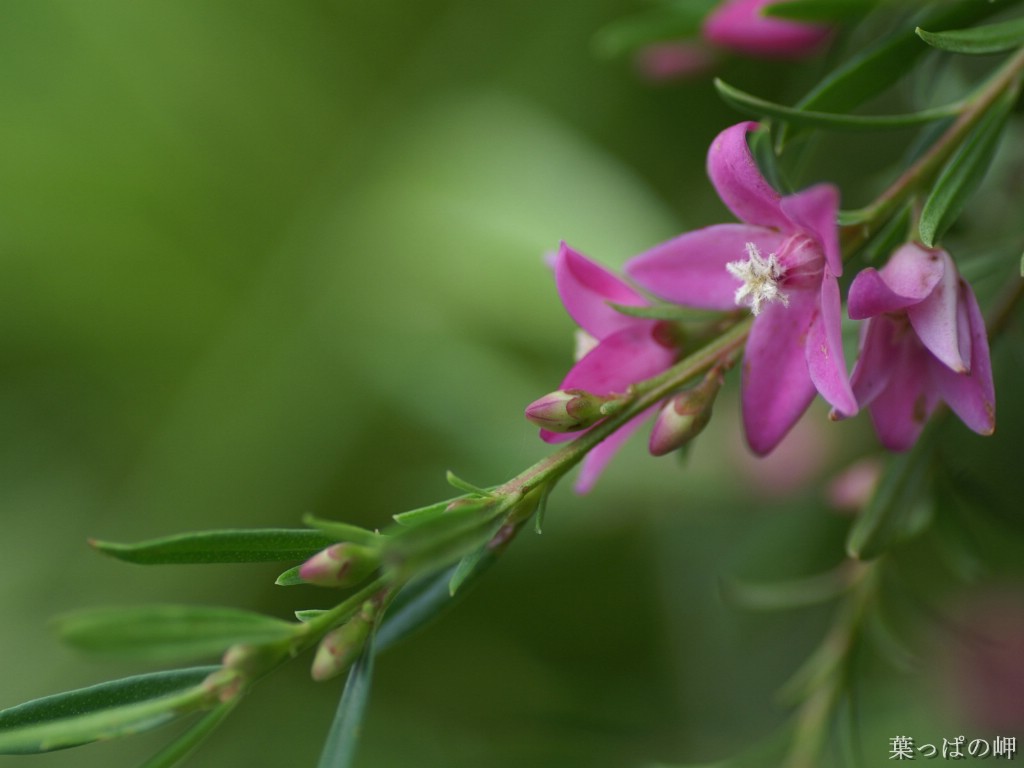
x: 782, y: 262
x: 740, y: 25
x: 628, y: 349
x: 925, y: 342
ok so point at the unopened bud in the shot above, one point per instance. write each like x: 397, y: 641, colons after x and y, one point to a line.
x: 340, y: 565
x: 684, y: 416
x: 568, y: 410
x: 340, y: 647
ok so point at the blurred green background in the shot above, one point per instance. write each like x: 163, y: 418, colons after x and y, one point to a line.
x: 266, y: 258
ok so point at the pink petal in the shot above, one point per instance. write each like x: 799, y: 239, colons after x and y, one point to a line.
x: 880, y: 345
x: 971, y: 395
x: 902, y: 408
x: 602, y: 453
x: 825, y: 360
x: 907, y: 279
x: 739, y: 182
x: 740, y: 26
x: 777, y: 386
x: 935, y: 320
x: 624, y: 358
x: 816, y: 211
x: 585, y: 288
x: 690, y: 269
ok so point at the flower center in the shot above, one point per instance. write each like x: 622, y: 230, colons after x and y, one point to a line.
x: 761, y: 277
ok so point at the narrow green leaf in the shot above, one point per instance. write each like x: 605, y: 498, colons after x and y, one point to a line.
x: 105, y: 711
x: 758, y: 107
x: 227, y: 546
x: 169, y: 631
x: 457, y: 482
x: 418, y: 603
x: 341, y: 531
x: 185, y: 744
x: 676, y: 21
x: 888, y: 238
x: 876, y: 67
x: 792, y: 593
x: 992, y: 38
x: 422, y: 514
x: 1022, y: 265
x: 900, y: 507
x: 470, y: 567
x: 343, y: 737
x: 290, y: 578
x: 961, y: 177
x: 822, y: 11
x: 309, y: 614
x: 658, y: 311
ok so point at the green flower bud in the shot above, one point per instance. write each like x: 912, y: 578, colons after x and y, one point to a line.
x: 567, y: 410
x: 684, y: 416
x: 340, y: 647
x: 340, y: 565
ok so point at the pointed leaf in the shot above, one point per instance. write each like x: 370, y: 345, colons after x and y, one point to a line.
x: 290, y: 578
x: 964, y: 173
x: 470, y: 568
x: 758, y: 107
x: 105, y: 711
x: 341, y: 531
x: 185, y: 744
x: 793, y: 593
x: 169, y: 631
x: 341, y: 742
x: 309, y: 614
x: 992, y: 38
x: 227, y: 546
x: 900, y: 507
x: 457, y: 482
x: 658, y: 311
x: 422, y: 514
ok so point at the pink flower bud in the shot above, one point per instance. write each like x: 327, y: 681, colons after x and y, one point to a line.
x: 340, y: 565
x: 742, y: 26
x: 684, y: 416
x: 568, y: 410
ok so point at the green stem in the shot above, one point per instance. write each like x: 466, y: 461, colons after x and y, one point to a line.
x: 928, y: 166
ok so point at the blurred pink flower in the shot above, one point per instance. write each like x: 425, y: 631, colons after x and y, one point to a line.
x: 924, y: 342
x: 628, y: 349
x: 678, y: 60
x: 788, y: 279
x: 741, y: 26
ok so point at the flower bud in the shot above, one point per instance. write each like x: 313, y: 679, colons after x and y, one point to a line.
x: 340, y: 565
x: 340, y: 647
x: 684, y: 416
x: 567, y: 410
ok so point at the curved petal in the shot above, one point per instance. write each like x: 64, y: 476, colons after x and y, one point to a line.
x: 690, y: 269
x: 825, y: 360
x: 935, y: 320
x: 624, y: 358
x: 971, y: 395
x: 902, y: 408
x: 777, y: 386
x: 908, y: 278
x: 879, y: 348
x: 739, y: 182
x: 816, y: 212
x: 602, y: 453
x: 585, y: 288
x: 739, y: 25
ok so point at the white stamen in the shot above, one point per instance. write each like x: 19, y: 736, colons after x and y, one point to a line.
x: 760, y: 278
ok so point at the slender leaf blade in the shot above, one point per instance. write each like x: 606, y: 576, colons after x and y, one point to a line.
x: 184, y: 745
x: 341, y: 531
x: 758, y: 107
x: 991, y: 38
x: 169, y: 631
x: 343, y: 737
x: 819, y: 10
x: 961, y: 177
x: 104, y: 711
x: 223, y: 546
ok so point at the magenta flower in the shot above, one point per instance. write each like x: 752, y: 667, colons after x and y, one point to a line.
x: 625, y: 349
x: 782, y: 262
x: 741, y: 26
x: 924, y: 342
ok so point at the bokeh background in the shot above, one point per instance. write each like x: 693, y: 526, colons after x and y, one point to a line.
x: 259, y: 259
